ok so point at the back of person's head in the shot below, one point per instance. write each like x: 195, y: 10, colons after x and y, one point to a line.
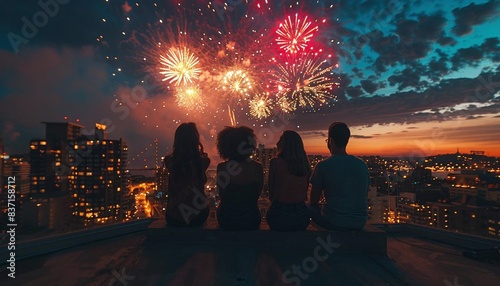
x: 339, y: 133
x: 187, y: 135
x: 291, y: 149
x: 236, y: 143
x: 186, y: 152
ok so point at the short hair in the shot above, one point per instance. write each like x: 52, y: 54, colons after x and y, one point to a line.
x: 339, y: 133
x: 236, y: 143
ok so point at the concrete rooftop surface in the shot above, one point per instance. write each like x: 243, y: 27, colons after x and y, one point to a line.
x: 149, y: 253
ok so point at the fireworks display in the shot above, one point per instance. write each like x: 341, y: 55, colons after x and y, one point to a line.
x: 302, y: 82
x: 237, y: 61
x: 237, y: 81
x: 260, y: 106
x: 293, y: 35
x: 189, y: 98
x: 179, y: 66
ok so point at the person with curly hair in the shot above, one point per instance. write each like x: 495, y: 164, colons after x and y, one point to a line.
x: 239, y: 180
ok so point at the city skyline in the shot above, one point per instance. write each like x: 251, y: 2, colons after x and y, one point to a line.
x: 415, y: 79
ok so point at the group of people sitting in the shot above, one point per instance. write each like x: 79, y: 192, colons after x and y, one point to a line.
x: 342, y: 179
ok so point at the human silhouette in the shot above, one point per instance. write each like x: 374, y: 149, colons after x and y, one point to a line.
x: 239, y: 180
x: 187, y: 204
x: 344, y: 181
x: 289, y: 174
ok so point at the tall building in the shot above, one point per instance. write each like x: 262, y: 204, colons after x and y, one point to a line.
x: 75, y: 180
x: 1, y: 162
x: 378, y: 206
x: 49, y: 158
x: 49, y: 202
x: 97, y: 182
x: 263, y: 155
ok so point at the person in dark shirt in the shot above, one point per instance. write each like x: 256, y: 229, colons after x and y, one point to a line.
x: 239, y: 180
x: 344, y: 181
x: 289, y: 175
x: 187, y: 204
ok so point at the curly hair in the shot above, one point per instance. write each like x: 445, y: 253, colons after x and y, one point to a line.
x: 236, y: 143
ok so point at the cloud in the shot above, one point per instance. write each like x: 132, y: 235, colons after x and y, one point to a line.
x: 407, y: 107
x: 361, y: 136
x: 369, y: 86
x: 409, y: 77
x: 447, y: 41
x: 472, y: 15
x: 489, y: 49
x: 313, y: 133
x: 354, y: 91
x: 412, y: 40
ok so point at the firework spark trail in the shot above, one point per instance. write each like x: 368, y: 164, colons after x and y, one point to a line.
x: 197, y: 56
x: 180, y: 65
x: 260, y: 106
x: 302, y: 82
x: 237, y: 82
x: 293, y: 35
x: 189, y: 97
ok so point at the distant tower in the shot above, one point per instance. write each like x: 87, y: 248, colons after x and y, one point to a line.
x: 1, y: 163
x: 49, y: 205
x: 97, y: 181
x: 48, y: 157
x: 263, y: 155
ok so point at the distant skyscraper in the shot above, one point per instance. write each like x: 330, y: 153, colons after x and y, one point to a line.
x: 263, y: 155
x: 75, y: 176
x: 48, y: 157
x: 97, y: 180
x: 49, y: 205
x: 17, y: 167
x: 1, y: 163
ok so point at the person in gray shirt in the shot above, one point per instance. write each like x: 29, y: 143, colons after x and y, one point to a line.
x: 344, y: 180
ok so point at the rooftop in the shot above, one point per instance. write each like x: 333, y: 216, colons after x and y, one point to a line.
x: 146, y: 252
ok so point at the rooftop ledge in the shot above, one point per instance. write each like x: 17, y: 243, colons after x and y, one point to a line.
x: 370, y: 240
x: 147, y: 252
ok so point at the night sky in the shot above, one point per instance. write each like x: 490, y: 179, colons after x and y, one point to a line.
x: 416, y: 79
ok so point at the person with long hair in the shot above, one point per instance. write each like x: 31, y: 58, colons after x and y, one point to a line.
x: 288, y: 181
x: 239, y: 180
x: 187, y: 204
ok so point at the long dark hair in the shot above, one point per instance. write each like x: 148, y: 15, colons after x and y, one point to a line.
x: 186, y: 155
x: 292, y: 151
